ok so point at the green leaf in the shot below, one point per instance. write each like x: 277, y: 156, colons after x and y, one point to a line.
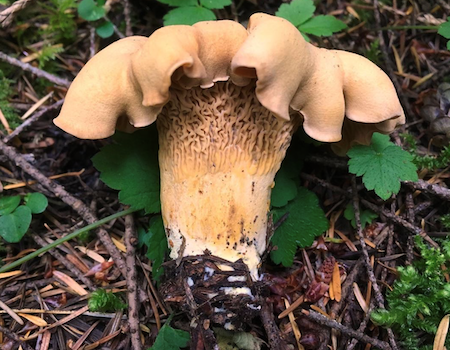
x: 179, y: 3
x: 215, y: 4
x: 8, y: 204
x: 286, y: 178
x: 157, y: 247
x: 382, y: 165
x: 90, y: 10
x: 103, y: 301
x: 322, y: 25
x: 297, y: 12
x: 285, y: 189
x: 366, y: 216
x: 444, y: 29
x: 37, y: 202
x: 105, y: 30
x: 188, y: 15
x: 13, y: 226
x: 131, y: 166
x: 306, y: 220
x: 448, y: 45
x: 170, y: 339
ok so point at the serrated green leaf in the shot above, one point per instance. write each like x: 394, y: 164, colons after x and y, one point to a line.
x: 37, y: 202
x: 178, y: 3
x: 170, y: 339
x: 188, y: 15
x: 444, y: 29
x: 105, y: 30
x: 366, y: 216
x: 8, y: 204
x: 286, y: 178
x: 285, y: 189
x: 215, y: 4
x: 131, y: 166
x: 382, y: 165
x: 13, y: 226
x: 90, y: 10
x: 306, y: 220
x: 297, y: 12
x: 157, y: 247
x: 322, y: 25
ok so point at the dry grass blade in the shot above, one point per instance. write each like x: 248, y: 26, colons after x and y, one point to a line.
x: 294, y: 326
x: 36, y: 106
x: 38, y: 321
x: 11, y: 313
x: 360, y: 297
x: 336, y: 283
x: 28, y: 183
x: 10, y: 274
x: 292, y: 307
x: 62, y: 321
x: 5, y: 123
x: 441, y: 334
x: 70, y: 282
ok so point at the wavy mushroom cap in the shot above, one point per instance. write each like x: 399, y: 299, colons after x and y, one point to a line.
x: 132, y: 77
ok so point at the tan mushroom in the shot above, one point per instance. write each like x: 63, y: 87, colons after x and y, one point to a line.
x: 227, y: 101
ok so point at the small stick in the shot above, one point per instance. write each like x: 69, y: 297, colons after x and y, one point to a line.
x: 351, y: 344
x: 31, y: 120
x: 127, y: 15
x: 378, y: 295
x: 323, y: 320
x: 7, y: 15
x: 131, y: 276
x: 435, y: 189
x: 36, y: 71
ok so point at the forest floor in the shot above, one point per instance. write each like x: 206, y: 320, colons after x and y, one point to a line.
x: 46, y: 302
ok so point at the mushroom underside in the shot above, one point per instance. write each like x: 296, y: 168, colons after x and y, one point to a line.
x: 219, y: 152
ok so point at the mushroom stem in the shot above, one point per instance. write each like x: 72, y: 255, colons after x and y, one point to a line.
x: 219, y: 152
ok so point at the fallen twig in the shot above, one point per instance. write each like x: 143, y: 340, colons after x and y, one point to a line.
x: 31, y: 120
x: 435, y: 189
x: 36, y: 71
x: 132, y: 295
x: 378, y: 295
x: 7, y: 15
x: 323, y: 320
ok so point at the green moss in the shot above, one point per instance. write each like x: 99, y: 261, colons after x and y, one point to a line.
x: 9, y: 112
x: 419, y: 299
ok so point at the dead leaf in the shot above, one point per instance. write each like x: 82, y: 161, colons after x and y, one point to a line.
x: 40, y: 322
x: 441, y: 334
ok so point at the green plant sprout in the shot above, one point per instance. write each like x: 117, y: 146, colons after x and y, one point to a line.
x: 366, y: 216
x: 6, y: 92
x: 419, y: 299
x: 102, y: 301
x: 301, y: 14
x: 192, y: 11
x: 93, y: 11
x: 382, y: 165
x: 15, y: 219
